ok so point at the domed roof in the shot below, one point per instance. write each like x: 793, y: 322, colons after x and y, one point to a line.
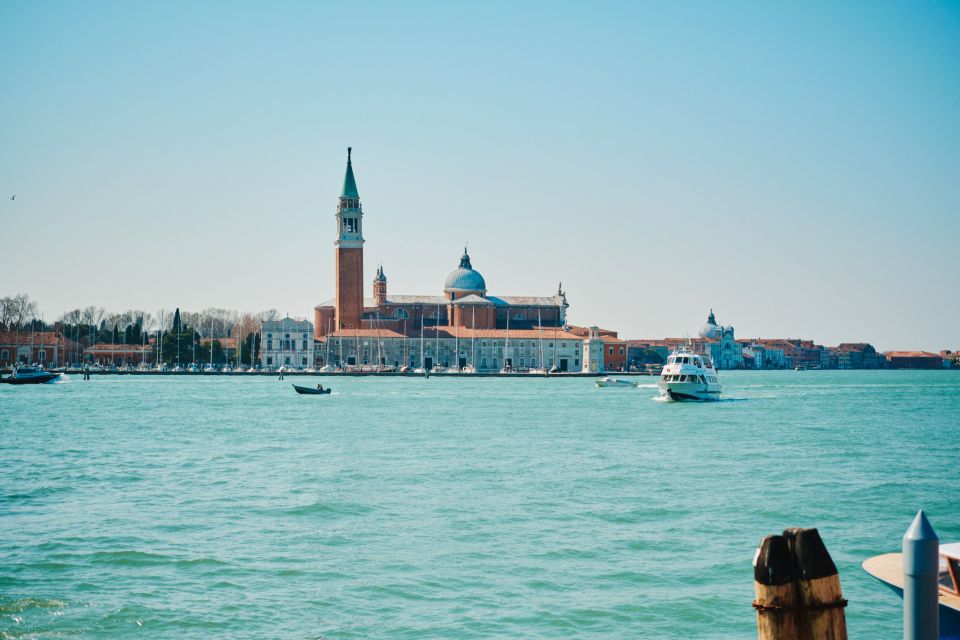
x: 710, y: 330
x: 464, y: 278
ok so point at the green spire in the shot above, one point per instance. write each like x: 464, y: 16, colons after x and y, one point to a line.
x: 349, y: 182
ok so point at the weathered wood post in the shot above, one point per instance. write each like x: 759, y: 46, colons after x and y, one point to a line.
x: 921, y: 552
x: 818, y: 585
x: 774, y: 583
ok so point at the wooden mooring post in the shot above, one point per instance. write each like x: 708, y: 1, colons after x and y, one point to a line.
x: 797, y: 589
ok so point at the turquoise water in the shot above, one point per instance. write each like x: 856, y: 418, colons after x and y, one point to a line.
x: 177, y: 507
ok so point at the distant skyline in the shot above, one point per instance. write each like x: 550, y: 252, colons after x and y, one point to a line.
x: 795, y: 168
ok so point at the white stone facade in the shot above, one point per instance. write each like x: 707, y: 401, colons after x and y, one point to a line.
x: 287, y: 343
x: 485, y: 354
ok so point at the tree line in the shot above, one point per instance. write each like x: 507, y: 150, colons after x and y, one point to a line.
x: 182, y: 336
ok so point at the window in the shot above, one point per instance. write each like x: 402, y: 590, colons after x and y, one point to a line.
x: 946, y: 582
x: 269, y: 335
x: 286, y: 335
x: 611, y: 350
x: 269, y: 361
x: 401, y: 314
x: 269, y: 344
x: 304, y: 345
x: 4, y: 355
x: 576, y: 363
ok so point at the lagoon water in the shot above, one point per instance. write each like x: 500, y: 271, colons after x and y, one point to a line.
x: 179, y: 507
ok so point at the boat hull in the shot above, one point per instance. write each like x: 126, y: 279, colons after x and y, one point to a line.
x: 689, y: 391
x: 33, y: 379
x: 310, y: 391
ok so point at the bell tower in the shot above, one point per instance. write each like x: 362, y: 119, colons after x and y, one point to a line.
x: 349, y: 298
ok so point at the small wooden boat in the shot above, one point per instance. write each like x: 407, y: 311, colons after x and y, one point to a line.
x: 311, y: 391
x: 888, y: 569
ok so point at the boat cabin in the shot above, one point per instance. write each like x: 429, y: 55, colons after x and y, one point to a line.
x: 691, y: 359
x: 949, y: 574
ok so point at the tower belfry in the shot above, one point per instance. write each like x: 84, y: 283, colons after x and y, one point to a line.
x: 349, y: 243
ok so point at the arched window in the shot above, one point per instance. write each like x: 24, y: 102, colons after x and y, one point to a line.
x: 401, y: 314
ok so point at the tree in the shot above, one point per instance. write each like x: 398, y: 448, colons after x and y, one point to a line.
x: 16, y: 310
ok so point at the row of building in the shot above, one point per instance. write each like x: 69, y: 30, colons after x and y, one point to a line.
x: 465, y: 326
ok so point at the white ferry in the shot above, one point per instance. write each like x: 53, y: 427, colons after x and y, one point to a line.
x: 689, y: 376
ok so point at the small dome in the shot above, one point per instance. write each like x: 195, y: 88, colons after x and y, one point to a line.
x: 464, y: 278
x: 710, y: 330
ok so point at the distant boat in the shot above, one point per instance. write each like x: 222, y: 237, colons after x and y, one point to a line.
x: 311, y: 391
x: 618, y: 384
x: 30, y: 375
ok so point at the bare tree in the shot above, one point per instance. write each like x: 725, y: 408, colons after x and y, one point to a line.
x: 16, y: 310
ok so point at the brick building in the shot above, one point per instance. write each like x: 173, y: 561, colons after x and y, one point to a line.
x: 854, y: 355
x: 464, y: 308
x: 913, y: 360
x: 117, y: 355
x: 47, y: 348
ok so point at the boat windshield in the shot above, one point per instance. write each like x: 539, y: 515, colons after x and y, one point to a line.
x: 944, y: 577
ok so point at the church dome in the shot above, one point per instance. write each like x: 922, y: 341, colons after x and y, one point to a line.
x: 710, y: 330
x: 464, y: 278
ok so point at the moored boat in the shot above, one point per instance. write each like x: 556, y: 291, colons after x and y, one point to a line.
x: 30, y: 375
x: 888, y: 569
x: 689, y: 376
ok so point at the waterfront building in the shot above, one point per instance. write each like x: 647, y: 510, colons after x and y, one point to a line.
x: 117, y: 355
x: 723, y: 348
x: 853, y: 355
x: 489, y: 350
x: 47, y: 348
x: 951, y: 359
x: 464, y: 311
x: 593, y: 351
x: 286, y: 343
x: 913, y: 360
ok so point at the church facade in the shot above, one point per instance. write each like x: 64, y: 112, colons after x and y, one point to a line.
x: 464, y: 312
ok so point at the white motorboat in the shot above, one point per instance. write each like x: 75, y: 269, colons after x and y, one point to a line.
x: 616, y: 384
x: 689, y: 376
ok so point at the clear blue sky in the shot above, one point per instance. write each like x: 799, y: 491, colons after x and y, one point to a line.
x: 797, y: 168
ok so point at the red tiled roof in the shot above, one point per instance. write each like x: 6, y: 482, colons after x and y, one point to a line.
x: 40, y: 338
x: 114, y: 348
x: 430, y: 333
x: 226, y: 343
x: 911, y: 354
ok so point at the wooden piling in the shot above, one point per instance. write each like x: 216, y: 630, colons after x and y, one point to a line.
x: 818, y: 582
x: 774, y: 582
